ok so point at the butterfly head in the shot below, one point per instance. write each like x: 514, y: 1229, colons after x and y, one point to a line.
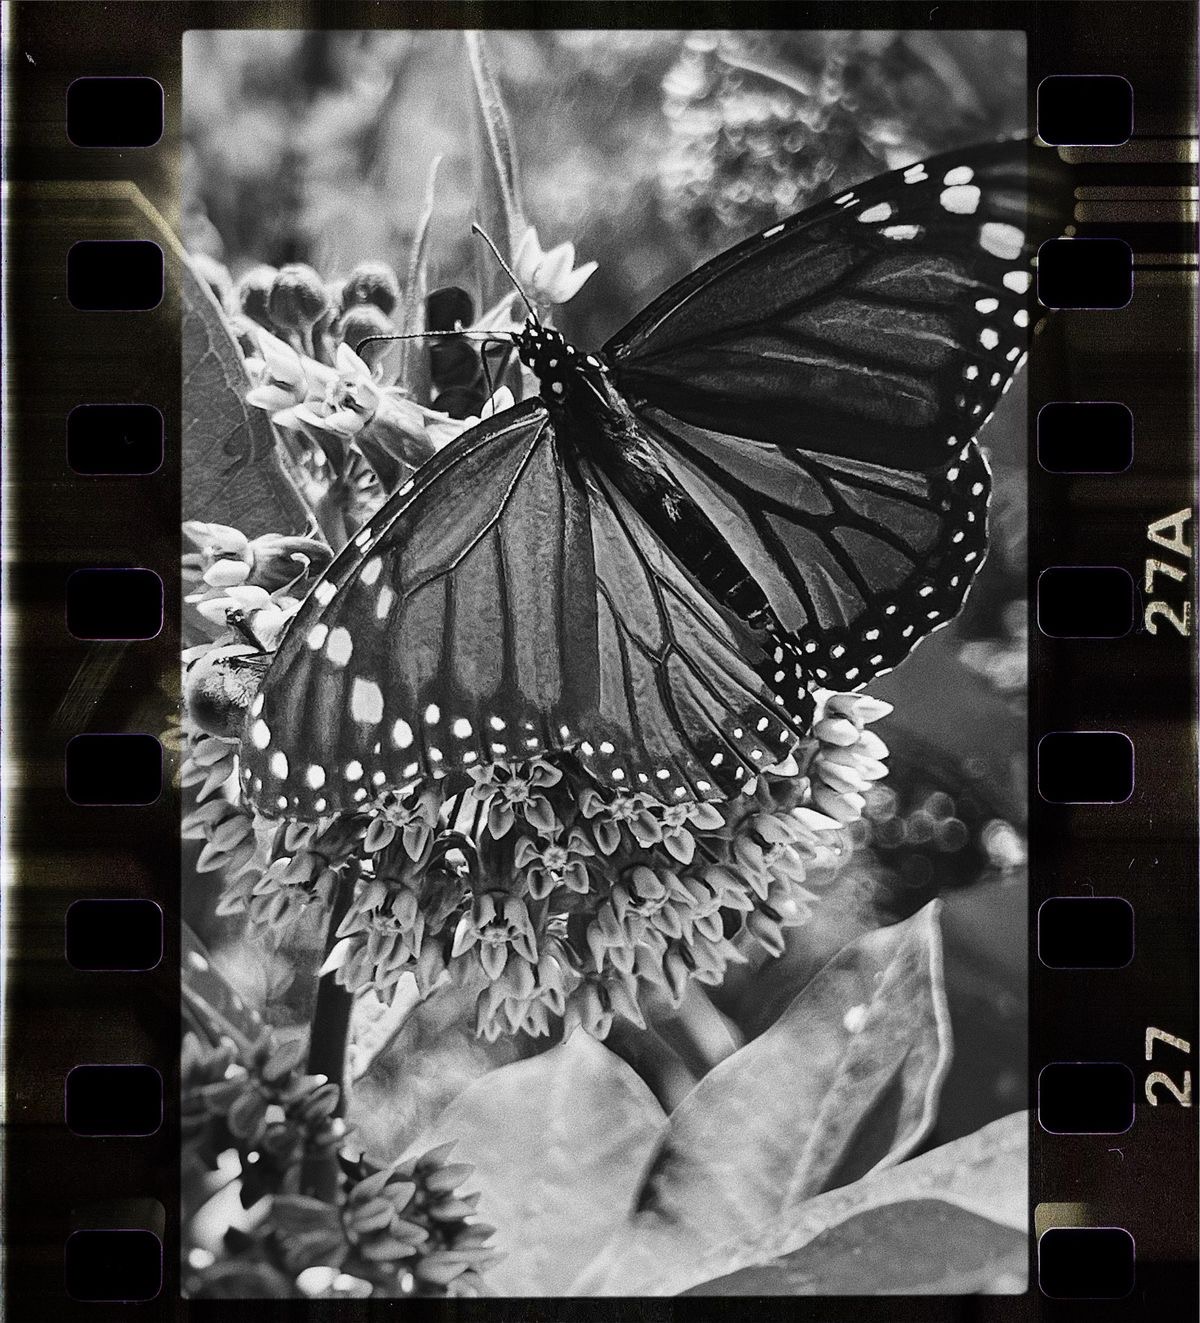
x: 557, y: 365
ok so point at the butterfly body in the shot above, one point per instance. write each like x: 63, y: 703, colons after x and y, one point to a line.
x: 767, y: 480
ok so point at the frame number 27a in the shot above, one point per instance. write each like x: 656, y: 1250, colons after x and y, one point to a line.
x: 1170, y: 533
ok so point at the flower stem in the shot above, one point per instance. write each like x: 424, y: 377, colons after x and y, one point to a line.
x: 696, y: 1030
x: 328, y: 1036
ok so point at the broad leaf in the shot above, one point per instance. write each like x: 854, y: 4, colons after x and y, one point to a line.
x: 497, y: 181
x: 951, y: 1222
x: 413, y: 353
x: 231, y: 467
x: 558, y: 1143
x: 845, y: 1082
x: 921, y: 1247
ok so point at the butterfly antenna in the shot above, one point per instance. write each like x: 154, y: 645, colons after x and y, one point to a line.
x: 424, y: 335
x: 238, y: 620
x: 483, y: 234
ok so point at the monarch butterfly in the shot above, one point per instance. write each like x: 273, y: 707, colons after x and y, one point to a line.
x: 767, y: 480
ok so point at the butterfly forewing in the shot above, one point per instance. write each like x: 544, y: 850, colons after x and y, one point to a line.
x: 876, y: 326
x: 496, y: 609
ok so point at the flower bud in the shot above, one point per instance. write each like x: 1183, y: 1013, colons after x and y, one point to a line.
x: 361, y: 321
x: 252, y: 292
x: 767, y: 932
x: 846, y: 807
x: 278, y: 560
x: 859, y: 708
x: 297, y: 298
x: 836, y: 730
x: 226, y: 573
x: 371, y: 282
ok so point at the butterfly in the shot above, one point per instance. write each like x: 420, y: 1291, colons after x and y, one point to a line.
x: 766, y: 482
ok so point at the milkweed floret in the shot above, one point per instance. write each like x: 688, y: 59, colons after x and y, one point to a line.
x: 414, y: 817
x: 496, y: 926
x: 554, y: 863
x: 506, y: 789
x: 549, y: 276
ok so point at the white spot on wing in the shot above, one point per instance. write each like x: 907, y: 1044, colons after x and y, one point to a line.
x: 881, y: 211
x: 961, y: 174
x: 1001, y: 240
x: 1017, y: 281
x: 260, y: 735
x: 370, y: 571
x: 961, y: 200
x: 317, y: 636
x: 279, y: 764
x: 315, y: 776
x: 340, y: 646
x: 324, y: 592
x: 402, y: 736
x: 366, y: 701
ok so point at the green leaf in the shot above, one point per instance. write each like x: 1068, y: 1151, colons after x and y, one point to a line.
x: 232, y: 473
x: 558, y: 1143
x: 951, y: 1222
x: 922, y: 1247
x: 845, y: 1082
x: 497, y: 178
x: 414, y: 356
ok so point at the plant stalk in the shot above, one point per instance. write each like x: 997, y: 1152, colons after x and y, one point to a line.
x: 328, y: 1038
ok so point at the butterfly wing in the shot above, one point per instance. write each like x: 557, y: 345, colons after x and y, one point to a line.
x: 499, y: 605
x: 817, y: 388
x: 858, y: 561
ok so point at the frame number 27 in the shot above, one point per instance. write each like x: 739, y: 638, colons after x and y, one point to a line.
x: 1181, y: 1094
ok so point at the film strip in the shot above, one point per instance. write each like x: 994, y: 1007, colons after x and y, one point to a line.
x: 95, y: 336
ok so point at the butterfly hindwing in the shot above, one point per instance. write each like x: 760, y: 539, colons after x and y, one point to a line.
x: 858, y: 562
x: 496, y: 608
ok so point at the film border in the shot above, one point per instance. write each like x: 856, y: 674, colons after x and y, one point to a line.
x: 1144, y: 851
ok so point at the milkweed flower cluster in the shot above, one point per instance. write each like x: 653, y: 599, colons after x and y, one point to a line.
x: 544, y: 895
x: 763, y: 124
x: 350, y: 406
x: 408, y: 1229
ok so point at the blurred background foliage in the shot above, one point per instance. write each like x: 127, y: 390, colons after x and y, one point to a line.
x: 651, y: 151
